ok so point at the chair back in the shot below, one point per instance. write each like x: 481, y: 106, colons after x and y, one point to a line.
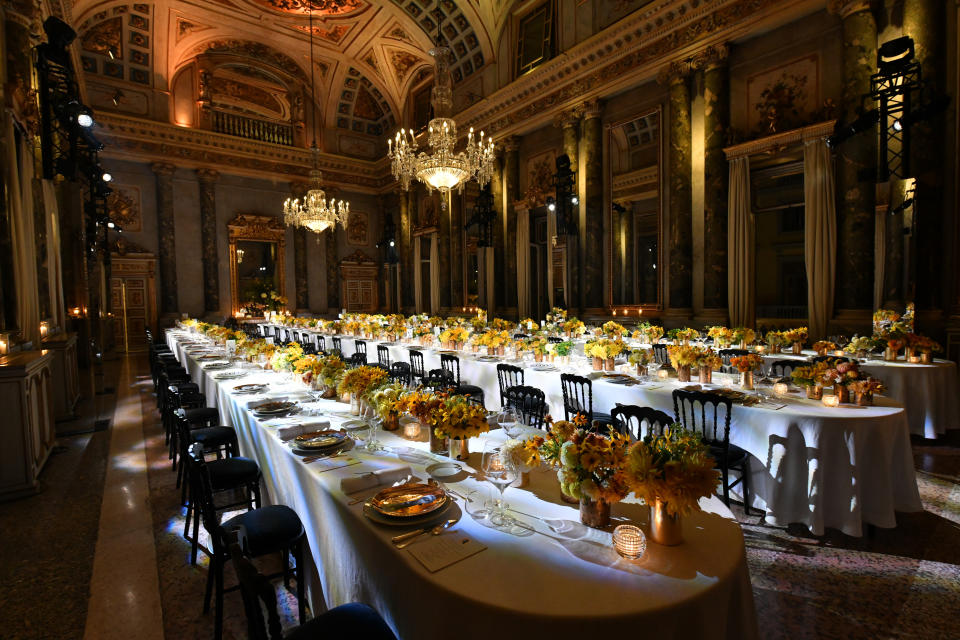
x: 439, y: 380
x: 577, y: 396
x: 360, y: 346
x: 357, y: 360
x: 321, y: 343
x: 337, y: 344
x: 520, y: 336
x: 202, y: 492
x: 660, y: 354
x: 416, y: 364
x: 400, y: 372
x: 711, y: 420
x: 727, y: 354
x: 554, y: 339
x: 383, y: 355
x: 451, y: 364
x: 818, y: 359
x: 530, y: 403
x: 254, y: 588
x: 508, y: 376
x: 782, y: 368
x: 629, y: 419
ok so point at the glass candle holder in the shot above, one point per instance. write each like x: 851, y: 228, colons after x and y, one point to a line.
x: 411, y: 430
x: 663, y: 374
x: 830, y: 400
x: 781, y: 389
x: 838, y: 353
x: 629, y: 541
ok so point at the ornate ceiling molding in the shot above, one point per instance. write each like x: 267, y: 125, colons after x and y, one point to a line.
x: 144, y: 141
x: 629, y: 51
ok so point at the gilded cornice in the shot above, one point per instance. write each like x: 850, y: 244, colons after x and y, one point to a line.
x: 144, y: 141
x: 781, y: 140
x: 846, y: 8
x: 632, y: 50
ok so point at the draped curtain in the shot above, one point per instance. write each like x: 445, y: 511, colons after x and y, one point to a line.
x: 740, y: 264
x: 434, y: 275
x: 20, y: 183
x: 54, y: 266
x: 417, y: 276
x: 879, y: 259
x: 820, y: 235
x: 523, y: 262
x: 551, y: 233
x: 491, y: 284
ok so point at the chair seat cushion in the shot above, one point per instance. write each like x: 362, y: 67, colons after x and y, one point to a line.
x: 232, y: 472
x: 214, y: 436
x: 735, y: 455
x: 352, y: 620
x: 201, y: 414
x: 267, y: 529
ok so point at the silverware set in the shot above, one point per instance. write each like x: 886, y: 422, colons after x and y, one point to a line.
x: 406, y: 539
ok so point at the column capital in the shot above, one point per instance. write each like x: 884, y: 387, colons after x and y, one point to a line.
x: 510, y: 143
x: 163, y: 168
x: 710, y: 57
x: 568, y: 118
x: 674, y: 73
x: 208, y: 175
x: 846, y: 8
x: 592, y: 108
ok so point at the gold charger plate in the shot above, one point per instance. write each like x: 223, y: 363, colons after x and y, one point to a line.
x: 320, y: 439
x: 276, y: 406
x: 409, y: 500
x: 449, y: 511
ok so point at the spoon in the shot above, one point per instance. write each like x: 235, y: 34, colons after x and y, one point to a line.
x: 437, y: 530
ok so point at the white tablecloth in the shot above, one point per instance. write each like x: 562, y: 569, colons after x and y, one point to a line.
x: 930, y: 393
x: 568, y: 586
x: 822, y: 467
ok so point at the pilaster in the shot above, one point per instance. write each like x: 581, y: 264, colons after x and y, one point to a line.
x: 166, y: 241
x: 207, y: 179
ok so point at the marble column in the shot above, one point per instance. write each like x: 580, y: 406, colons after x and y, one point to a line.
x: 592, y: 231
x: 166, y: 241
x: 333, y: 269
x: 716, y: 116
x: 301, y: 286
x: 456, y: 252
x: 511, y: 189
x: 207, y: 179
x: 499, y: 226
x: 925, y: 22
x: 681, y: 194
x: 569, y: 122
x: 855, y: 211
x: 406, y: 253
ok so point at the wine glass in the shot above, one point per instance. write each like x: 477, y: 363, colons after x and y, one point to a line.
x: 373, y: 443
x: 500, y: 473
x: 509, y: 420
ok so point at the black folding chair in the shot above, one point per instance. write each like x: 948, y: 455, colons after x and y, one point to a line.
x: 508, y: 376
x: 578, y: 399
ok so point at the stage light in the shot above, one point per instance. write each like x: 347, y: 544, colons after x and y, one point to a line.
x: 897, y: 125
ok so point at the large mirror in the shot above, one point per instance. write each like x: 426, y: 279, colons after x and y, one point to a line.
x: 256, y: 260
x: 635, y: 253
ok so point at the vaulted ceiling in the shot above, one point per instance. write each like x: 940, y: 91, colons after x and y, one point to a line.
x: 367, y: 53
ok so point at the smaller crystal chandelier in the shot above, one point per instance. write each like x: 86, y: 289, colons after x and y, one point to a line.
x: 314, y: 211
x: 443, y: 170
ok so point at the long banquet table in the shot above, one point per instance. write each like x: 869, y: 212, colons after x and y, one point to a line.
x: 819, y: 466
x: 544, y: 584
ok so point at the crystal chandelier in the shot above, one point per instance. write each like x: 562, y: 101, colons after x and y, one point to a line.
x: 314, y: 211
x: 443, y: 169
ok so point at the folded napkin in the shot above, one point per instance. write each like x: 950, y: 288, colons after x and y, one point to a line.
x: 267, y: 398
x: 381, y: 477
x: 291, y: 431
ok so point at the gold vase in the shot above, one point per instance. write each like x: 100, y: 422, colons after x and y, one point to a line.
x: 641, y: 370
x: 926, y: 357
x: 459, y: 448
x: 597, y: 364
x: 842, y: 392
x: 609, y: 364
x: 437, y: 444
x: 863, y: 399
x: 815, y: 392
x: 889, y: 355
x: 594, y: 513
x: 746, y: 380
x: 329, y: 393
x: 706, y: 375
x: 797, y: 348
x: 392, y: 423
x: 683, y: 373
x: 664, y: 528
x: 743, y: 345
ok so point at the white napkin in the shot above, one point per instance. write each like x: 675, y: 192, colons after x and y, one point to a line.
x: 374, y: 479
x: 288, y: 432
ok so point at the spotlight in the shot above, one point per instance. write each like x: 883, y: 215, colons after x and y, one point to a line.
x: 85, y: 120
x: 897, y: 125
x: 106, y: 177
x: 574, y: 200
x: 111, y: 225
x: 392, y: 243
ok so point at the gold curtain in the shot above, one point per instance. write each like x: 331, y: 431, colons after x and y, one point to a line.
x: 740, y: 267
x: 820, y: 234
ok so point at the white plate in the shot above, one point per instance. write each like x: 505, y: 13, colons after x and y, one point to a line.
x: 442, y: 470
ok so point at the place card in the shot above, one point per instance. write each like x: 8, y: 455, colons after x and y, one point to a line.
x: 439, y: 552
x: 329, y: 464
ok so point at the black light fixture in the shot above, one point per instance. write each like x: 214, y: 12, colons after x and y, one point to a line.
x: 564, y: 204
x: 483, y: 216
x: 388, y: 241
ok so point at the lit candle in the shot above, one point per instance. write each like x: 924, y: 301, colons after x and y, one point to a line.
x: 43, y: 329
x: 3, y: 346
x: 629, y: 541
x: 411, y: 430
x: 830, y: 400
x: 838, y: 353
x: 781, y: 389
x: 914, y: 359
x: 663, y: 374
x: 761, y: 348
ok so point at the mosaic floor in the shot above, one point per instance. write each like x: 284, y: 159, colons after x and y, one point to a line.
x: 898, y: 583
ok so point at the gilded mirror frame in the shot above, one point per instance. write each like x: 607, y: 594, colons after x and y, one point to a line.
x: 247, y: 226
x: 611, y: 198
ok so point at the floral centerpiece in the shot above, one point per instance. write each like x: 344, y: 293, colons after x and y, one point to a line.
x: 651, y: 332
x: 841, y: 375
x: 860, y: 345
x: 613, y: 329
x: 923, y: 345
x: 683, y: 358
x: 558, y: 433
x: 384, y: 401
x: 261, y: 296
x: 284, y: 358
x: 810, y: 377
x: 457, y: 420
x: 454, y: 337
x: 864, y: 389
x: 308, y: 368
x: 796, y: 337
x: 604, y: 352
x: 499, y: 324
x: 331, y: 373
x: 722, y: 336
x: 523, y: 455
x: 562, y: 350
x: 684, y: 335
x: 640, y: 358
x: 557, y: 315
x: 496, y: 341
x: 708, y: 362
x: 746, y: 365
x: 670, y: 472
x: 894, y: 334
x: 823, y: 346
x: 353, y: 327
x: 479, y: 322
x: 396, y: 326
x: 529, y: 325
x: 592, y: 470
x: 744, y: 336
x: 538, y: 346
x: 776, y: 341
x: 359, y: 382
x: 574, y: 328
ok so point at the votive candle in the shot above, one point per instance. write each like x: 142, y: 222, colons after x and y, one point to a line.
x: 781, y: 389
x: 629, y: 541
x: 830, y: 400
x: 411, y: 430
x: 838, y: 353
x: 914, y: 359
x: 663, y: 374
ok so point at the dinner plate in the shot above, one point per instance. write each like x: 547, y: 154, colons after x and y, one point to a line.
x: 542, y: 366
x: 488, y: 359
x: 273, y: 407
x: 250, y: 388
x: 448, y: 511
x: 217, y: 366
x: 210, y: 356
x: 323, y: 439
x: 230, y: 375
x: 408, y: 500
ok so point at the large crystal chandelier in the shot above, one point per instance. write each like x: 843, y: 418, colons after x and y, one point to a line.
x: 314, y: 211
x: 443, y: 169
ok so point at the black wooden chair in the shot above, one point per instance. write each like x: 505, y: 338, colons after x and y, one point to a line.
x: 352, y: 620
x: 508, y: 376
x: 629, y: 419
x: 660, y: 354
x: 716, y: 434
x: 578, y: 399
x: 554, y: 339
x: 451, y: 364
x: 338, y: 345
x: 439, y: 380
x: 417, y: 372
x: 530, y: 403
x: 261, y: 531
x: 782, y: 368
x: 321, y: 343
x: 383, y: 356
x: 359, y: 353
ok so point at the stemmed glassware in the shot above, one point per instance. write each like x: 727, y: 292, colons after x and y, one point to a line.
x: 509, y: 420
x: 501, y: 474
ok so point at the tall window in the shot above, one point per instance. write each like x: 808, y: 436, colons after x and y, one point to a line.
x: 535, y: 38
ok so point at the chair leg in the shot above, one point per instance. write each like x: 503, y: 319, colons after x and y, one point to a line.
x: 218, y: 624
x: 301, y: 588
x: 186, y: 522
x: 746, y: 486
x: 726, y: 484
x: 209, y: 589
x: 195, y: 543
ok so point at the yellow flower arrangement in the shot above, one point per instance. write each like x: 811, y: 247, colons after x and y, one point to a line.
x: 456, y: 335
x: 523, y: 454
x: 641, y: 357
x: 420, y: 404
x: 332, y: 370
x: 499, y: 324
x: 557, y: 433
x: 460, y: 419
x: 824, y: 345
x: 384, y: 400
x: 422, y: 329
x: 651, y: 332
x: 776, y: 339
x: 711, y: 360
x: 604, y: 348
x: 352, y: 327
x: 284, y: 359
x: 675, y: 468
x: 495, y: 339
x: 360, y: 381
x: 592, y: 466
x: 793, y: 336
x: 537, y: 344
x: 684, y: 356
x: 614, y: 329
x: 308, y: 367
x: 687, y: 333
x: 720, y: 335
x: 743, y: 334
x: 574, y: 327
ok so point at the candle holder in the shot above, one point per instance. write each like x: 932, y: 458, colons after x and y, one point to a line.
x: 830, y: 400
x: 781, y: 389
x: 663, y: 374
x: 629, y: 541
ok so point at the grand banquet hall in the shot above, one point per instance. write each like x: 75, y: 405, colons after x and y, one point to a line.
x: 433, y: 319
